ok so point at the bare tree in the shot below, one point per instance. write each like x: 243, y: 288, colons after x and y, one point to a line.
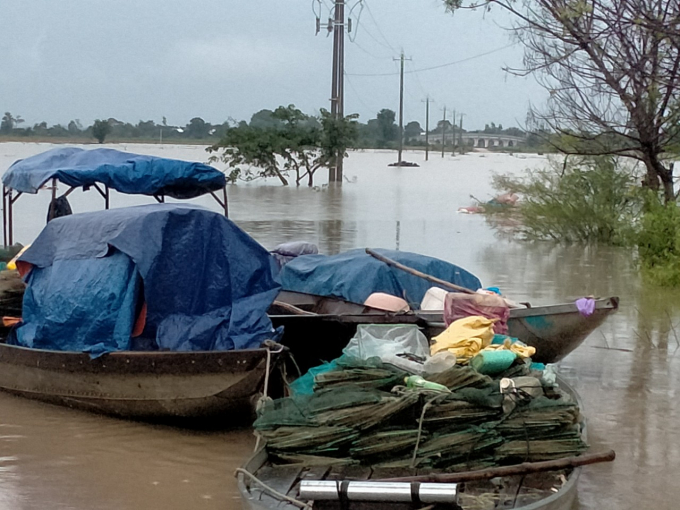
x: 612, y: 68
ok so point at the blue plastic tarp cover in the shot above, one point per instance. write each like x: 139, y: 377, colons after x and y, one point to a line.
x: 54, y: 305
x: 207, y: 284
x: 354, y: 275
x: 122, y: 171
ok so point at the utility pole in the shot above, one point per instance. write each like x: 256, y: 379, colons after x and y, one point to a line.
x: 338, y: 80
x: 453, y: 134
x: 460, y: 135
x: 444, y: 132
x: 427, y: 127
x: 401, y: 106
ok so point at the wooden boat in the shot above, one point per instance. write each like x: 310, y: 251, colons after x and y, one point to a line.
x: 559, y: 487
x: 317, y: 327
x: 140, y: 385
x: 165, y: 381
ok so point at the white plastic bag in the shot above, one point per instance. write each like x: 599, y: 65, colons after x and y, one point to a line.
x: 387, y: 341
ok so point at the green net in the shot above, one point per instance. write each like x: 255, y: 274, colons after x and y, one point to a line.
x: 361, y: 413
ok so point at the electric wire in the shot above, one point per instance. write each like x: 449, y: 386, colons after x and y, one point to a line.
x: 356, y: 93
x: 420, y: 84
x: 370, y: 13
x: 376, y: 40
x: 353, y: 35
x: 473, y: 57
x: 369, y: 53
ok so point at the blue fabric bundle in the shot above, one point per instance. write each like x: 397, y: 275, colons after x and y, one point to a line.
x: 354, y: 275
x: 206, y: 283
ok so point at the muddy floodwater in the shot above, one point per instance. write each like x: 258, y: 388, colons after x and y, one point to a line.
x: 627, y: 372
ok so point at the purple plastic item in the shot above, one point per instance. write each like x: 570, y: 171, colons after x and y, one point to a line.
x: 586, y: 306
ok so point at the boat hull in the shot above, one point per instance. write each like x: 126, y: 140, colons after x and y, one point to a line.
x: 554, y: 330
x: 139, y: 385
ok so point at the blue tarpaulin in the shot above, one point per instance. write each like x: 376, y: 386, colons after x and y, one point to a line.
x: 354, y: 275
x: 207, y: 284
x: 122, y: 171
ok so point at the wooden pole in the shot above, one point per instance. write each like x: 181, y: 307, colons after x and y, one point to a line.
x: 10, y: 218
x: 517, y: 469
x: 50, y: 214
x: 419, y: 274
x: 4, y: 215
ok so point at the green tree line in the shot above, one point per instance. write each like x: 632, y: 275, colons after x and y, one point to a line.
x: 380, y: 132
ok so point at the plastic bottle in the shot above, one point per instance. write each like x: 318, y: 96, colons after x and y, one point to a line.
x: 415, y: 381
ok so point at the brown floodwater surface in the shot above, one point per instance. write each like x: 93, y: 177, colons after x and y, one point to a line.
x: 627, y: 372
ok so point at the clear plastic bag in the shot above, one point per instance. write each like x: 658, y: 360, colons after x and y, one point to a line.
x: 390, y: 342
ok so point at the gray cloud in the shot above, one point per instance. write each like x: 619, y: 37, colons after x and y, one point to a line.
x: 132, y: 60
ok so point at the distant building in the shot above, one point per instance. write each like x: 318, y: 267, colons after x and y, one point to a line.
x: 476, y: 139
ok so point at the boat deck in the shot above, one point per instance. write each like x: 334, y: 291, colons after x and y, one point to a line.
x: 520, y: 492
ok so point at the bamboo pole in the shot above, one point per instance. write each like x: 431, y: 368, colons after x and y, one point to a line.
x: 292, y: 308
x: 517, y: 469
x: 419, y: 274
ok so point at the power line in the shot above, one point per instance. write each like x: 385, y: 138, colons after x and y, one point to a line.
x: 357, y: 20
x: 370, y: 13
x: 418, y: 79
x: 369, y: 53
x: 437, y: 66
x: 377, y: 41
x: 351, y: 85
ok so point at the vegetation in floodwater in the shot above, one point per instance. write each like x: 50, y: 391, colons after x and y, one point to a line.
x: 658, y: 242
x: 578, y: 200
x: 594, y: 200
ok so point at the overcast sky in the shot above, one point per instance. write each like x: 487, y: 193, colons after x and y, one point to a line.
x: 218, y: 59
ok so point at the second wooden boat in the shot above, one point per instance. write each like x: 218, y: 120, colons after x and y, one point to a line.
x: 265, y: 486
x: 318, y: 327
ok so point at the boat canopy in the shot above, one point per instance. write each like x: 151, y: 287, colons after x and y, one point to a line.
x: 163, y: 276
x: 354, y: 275
x: 105, y: 169
x: 123, y: 171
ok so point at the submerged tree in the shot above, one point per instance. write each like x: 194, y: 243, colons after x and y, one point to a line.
x: 100, y: 130
x: 291, y: 142
x: 612, y: 69
x: 9, y: 122
x: 388, y: 131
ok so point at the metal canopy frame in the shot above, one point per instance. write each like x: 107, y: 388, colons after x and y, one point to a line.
x: 9, y: 197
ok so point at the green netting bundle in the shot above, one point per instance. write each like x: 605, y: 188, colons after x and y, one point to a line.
x: 458, y: 377
x: 386, y: 443
x: 360, y: 412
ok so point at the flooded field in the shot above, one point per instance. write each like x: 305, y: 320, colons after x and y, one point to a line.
x: 627, y: 372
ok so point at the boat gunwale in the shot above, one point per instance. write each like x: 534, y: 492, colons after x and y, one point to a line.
x: 130, y: 362
x: 606, y: 303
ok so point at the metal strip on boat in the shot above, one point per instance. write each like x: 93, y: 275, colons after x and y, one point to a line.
x: 338, y: 490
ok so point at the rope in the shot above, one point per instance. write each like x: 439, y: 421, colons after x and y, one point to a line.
x: 265, y: 389
x: 273, y: 492
x: 420, y: 426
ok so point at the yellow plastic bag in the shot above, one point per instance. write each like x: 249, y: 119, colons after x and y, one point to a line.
x: 521, y: 349
x: 465, y: 337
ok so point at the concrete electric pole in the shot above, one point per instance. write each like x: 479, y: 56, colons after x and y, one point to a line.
x: 401, y: 106
x: 427, y: 127
x: 444, y: 132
